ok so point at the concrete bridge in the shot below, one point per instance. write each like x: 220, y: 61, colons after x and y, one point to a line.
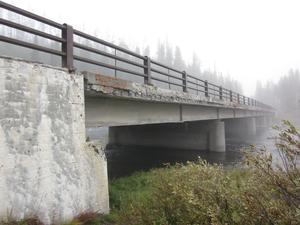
x: 183, y: 120
x: 47, y: 168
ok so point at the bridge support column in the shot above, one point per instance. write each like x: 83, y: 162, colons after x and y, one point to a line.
x: 262, y: 123
x: 269, y: 121
x: 250, y: 127
x: 217, y: 136
x: 241, y: 129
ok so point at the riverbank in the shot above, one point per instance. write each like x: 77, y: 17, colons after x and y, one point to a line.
x: 261, y: 192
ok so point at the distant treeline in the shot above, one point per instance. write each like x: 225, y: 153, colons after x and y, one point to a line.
x: 284, y: 95
x: 165, y: 53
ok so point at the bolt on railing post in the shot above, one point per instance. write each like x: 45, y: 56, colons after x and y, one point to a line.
x: 230, y: 95
x: 221, y: 92
x: 206, y: 88
x: 184, y: 81
x: 67, y: 47
x: 147, y: 71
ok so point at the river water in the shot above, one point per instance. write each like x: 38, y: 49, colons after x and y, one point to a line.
x: 123, y: 161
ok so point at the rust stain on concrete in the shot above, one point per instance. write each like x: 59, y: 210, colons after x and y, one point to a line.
x: 112, y: 82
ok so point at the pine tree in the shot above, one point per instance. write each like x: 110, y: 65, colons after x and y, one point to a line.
x: 194, y: 68
x: 178, y: 60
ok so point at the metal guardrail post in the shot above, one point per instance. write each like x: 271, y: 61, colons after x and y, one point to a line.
x: 244, y: 100
x: 206, y: 88
x: 221, y: 92
x: 147, y: 71
x: 230, y: 95
x: 238, y: 98
x: 184, y: 82
x: 67, y: 47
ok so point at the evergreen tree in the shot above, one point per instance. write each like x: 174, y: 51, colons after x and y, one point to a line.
x: 161, y: 53
x: 194, y: 68
x: 169, y: 54
x: 178, y: 60
x: 146, y: 51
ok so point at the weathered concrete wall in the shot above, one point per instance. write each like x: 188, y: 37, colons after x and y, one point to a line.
x: 46, y: 167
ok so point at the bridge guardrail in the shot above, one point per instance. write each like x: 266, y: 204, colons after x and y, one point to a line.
x: 152, y: 70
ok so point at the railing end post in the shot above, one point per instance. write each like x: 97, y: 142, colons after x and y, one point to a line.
x: 184, y: 81
x: 67, y: 47
x: 147, y: 70
x: 221, y: 92
x: 206, y: 88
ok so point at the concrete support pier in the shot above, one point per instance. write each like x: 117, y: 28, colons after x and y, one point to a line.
x: 217, y: 136
x: 250, y: 127
x: 261, y: 123
x: 241, y: 129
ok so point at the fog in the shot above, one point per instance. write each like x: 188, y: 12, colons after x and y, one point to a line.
x: 248, y: 40
x: 164, y: 52
x: 283, y: 95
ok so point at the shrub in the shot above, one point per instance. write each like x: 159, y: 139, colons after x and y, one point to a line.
x: 26, y: 221
x: 264, y: 192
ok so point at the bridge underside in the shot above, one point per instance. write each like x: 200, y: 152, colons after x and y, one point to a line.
x: 197, y: 135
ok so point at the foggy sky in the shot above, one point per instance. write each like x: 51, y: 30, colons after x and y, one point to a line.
x: 250, y: 40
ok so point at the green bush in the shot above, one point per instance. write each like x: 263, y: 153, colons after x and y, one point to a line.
x: 198, y: 193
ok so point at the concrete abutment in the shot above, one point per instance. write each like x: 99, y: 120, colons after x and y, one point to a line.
x: 46, y: 167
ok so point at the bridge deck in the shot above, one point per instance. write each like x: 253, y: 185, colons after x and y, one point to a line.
x: 112, y: 101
